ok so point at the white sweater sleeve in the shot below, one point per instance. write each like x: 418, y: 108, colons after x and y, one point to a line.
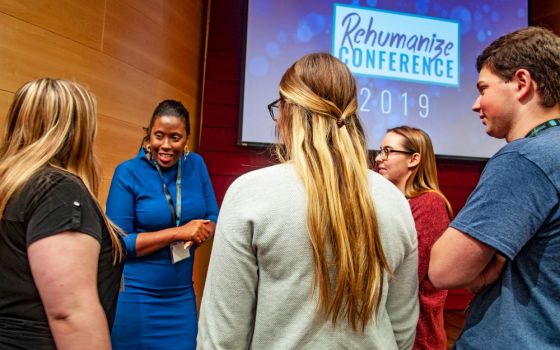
x: 402, y: 301
x: 401, y: 248
x: 229, y: 299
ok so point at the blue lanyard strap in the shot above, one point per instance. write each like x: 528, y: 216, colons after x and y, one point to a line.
x: 175, y: 213
x: 548, y: 124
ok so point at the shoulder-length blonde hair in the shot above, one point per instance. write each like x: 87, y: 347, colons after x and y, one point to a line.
x: 424, y: 176
x: 324, y: 139
x: 51, y: 122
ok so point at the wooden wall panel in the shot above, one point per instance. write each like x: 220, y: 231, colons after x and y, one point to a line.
x: 170, y: 59
x: 81, y: 21
x: 157, y: 39
x: 29, y: 52
x: 123, y: 92
x: 152, y: 9
x: 116, y: 141
x: 113, y: 82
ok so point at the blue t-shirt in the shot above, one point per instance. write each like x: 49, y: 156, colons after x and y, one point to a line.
x: 515, y: 208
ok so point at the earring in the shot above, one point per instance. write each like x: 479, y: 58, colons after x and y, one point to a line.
x: 148, y: 151
x: 186, y: 151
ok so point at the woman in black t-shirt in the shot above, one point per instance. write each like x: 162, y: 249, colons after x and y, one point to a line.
x: 60, y: 258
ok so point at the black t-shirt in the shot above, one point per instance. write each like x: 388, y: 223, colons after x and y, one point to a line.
x: 53, y: 201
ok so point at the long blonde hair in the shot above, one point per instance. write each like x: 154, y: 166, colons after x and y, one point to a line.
x: 423, y: 177
x: 324, y: 139
x: 51, y: 122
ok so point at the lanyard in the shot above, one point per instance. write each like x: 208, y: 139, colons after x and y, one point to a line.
x: 548, y: 124
x: 175, y: 213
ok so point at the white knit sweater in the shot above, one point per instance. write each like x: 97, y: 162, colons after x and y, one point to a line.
x: 258, y: 287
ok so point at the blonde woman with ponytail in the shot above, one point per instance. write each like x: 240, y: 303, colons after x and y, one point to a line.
x: 60, y: 258
x: 317, y: 252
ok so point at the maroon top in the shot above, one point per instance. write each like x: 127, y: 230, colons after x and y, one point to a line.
x: 431, y: 219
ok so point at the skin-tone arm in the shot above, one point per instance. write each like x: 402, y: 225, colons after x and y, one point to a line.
x: 196, y: 231
x: 64, y: 268
x: 457, y: 260
x: 489, y: 275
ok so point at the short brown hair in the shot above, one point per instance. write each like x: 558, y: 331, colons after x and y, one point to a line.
x: 535, y: 49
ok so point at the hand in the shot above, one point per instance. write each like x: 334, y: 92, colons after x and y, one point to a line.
x: 212, y: 229
x: 489, y: 275
x: 194, y: 231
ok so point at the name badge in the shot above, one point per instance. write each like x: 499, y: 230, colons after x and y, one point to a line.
x: 179, y: 252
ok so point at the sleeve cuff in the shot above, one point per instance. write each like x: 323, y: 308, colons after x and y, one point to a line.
x: 130, y: 243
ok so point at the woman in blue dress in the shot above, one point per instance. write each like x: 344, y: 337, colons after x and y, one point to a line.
x: 164, y: 201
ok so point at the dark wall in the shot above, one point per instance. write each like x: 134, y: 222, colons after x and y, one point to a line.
x: 545, y: 13
x: 221, y: 103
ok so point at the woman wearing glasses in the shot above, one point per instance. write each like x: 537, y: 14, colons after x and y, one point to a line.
x: 317, y: 252
x: 407, y: 159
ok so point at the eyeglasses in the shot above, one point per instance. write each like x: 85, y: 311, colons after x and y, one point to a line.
x: 384, y: 152
x: 273, y: 109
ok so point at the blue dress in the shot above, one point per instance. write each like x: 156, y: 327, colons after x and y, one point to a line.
x: 157, y: 308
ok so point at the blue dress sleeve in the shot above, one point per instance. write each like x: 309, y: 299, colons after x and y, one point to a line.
x: 120, y: 207
x: 209, y: 197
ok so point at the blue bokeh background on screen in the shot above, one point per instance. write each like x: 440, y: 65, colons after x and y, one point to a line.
x: 281, y: 31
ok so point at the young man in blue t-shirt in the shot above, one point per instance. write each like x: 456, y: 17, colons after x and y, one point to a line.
x: 505, y: 243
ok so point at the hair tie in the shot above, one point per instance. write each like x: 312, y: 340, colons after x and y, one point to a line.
x: 341, y: 122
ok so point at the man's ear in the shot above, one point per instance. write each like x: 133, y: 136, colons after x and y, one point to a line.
x: 524, y: 83
x: 414, y: 160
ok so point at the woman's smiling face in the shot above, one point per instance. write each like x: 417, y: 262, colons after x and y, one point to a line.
x: 168, y: 138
